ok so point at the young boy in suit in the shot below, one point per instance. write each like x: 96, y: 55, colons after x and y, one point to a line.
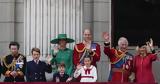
x: 36, y: 69
x: 61, y: 76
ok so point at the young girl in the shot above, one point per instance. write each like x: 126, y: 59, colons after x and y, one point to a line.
x: 88, y: 72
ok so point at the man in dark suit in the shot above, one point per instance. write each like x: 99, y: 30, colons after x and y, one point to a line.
x: 13, y: 65
x: 36, y: 69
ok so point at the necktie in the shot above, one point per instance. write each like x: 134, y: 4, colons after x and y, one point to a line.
x: 36, y: 61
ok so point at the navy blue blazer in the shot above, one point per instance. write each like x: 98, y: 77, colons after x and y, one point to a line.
x: 61, y: 78
x: 36, y: 72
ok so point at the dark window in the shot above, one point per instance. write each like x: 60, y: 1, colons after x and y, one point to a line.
x: 137, y: 20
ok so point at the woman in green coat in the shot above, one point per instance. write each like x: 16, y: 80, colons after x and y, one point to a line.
x: 62, y: 54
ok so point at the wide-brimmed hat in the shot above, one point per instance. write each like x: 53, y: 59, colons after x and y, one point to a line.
x: 62, y: 36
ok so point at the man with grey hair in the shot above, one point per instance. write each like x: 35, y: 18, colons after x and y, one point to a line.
x: 123, y: 44
x: 121, y: 61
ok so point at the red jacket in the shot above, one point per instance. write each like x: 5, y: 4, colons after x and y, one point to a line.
x: 143, y: 68
x: 79, y: 50
x: 121, y: 64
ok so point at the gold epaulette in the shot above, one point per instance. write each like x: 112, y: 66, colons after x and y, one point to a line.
x: 118, y: 56
x: 11, y: 65
x: 78, y: 50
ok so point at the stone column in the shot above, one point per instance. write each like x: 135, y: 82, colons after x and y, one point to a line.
x: 45, y: 19
x: 7, y: 24
x: 101, y: 23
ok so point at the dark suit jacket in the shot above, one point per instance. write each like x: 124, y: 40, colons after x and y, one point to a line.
x: 61, y: 78
x: 36, y: 72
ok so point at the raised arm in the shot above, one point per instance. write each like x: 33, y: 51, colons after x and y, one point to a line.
x: 78, y: 71
x: 107, y: 50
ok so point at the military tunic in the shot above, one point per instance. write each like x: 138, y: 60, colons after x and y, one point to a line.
x: 11, y: 63
x: 121, y: 64
x: 80, y: 48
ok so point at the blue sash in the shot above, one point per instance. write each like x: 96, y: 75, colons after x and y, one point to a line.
x: 93, y: 48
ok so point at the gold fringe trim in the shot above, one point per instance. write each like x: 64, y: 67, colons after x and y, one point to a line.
x: 119, y: 56
x: 12, y: 64
x: 79, y: 50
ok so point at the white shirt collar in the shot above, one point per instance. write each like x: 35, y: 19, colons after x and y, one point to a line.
x: 36, y: 61
x: 89, y: 67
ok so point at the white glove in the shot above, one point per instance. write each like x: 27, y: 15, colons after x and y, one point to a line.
x: 132, y: 77
x: 55, y: 49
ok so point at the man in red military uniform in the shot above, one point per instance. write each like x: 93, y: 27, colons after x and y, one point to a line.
x: 86, y: 47
x: 121, y: 60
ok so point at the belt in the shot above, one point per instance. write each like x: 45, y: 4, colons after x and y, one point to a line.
x: 87, y: 77
x: 118, y: 70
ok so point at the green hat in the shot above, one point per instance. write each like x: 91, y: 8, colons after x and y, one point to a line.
x: 62, y: 36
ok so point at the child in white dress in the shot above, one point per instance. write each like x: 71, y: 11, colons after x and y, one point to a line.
x: 88, y: 72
